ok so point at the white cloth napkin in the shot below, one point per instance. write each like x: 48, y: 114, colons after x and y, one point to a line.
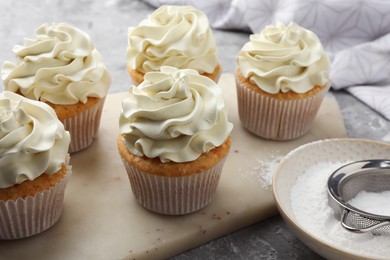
x: 356, y: 34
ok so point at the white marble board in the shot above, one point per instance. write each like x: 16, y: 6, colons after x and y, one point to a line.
x: 102, y: 220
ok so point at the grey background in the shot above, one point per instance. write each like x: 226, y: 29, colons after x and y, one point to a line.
x: 107, y: 23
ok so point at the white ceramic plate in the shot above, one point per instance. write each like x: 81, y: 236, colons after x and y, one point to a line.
x: 294, y: 165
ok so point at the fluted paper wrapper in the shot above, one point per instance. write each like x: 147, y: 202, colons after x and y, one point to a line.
x: 276, y: 119
x: 174, y: 195
x: 84, y: 127
x: 34, y: 214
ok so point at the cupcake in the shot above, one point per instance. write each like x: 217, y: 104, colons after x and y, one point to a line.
x: 62, y: 68
x: 174, y: 139
x: 176, y: 36
x: 34, y: 166
x: 282, y: 79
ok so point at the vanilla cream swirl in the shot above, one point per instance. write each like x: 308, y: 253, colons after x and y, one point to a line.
x: 175, y: 115
x: 284, y: 58
x: 32, y: 140
x: 177, y: 36
x: 60, y: 66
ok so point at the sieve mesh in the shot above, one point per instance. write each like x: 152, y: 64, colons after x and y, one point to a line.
x: 355, y: 221
x: 345, y: 183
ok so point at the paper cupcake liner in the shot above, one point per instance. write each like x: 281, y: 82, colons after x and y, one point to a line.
x: 174, y: 195
x: 34, y: 214
x: 276, y: 119
x: 84, y: 127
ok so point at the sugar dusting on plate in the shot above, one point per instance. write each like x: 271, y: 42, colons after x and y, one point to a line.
x: 309, y: 203
x: 264, y: 170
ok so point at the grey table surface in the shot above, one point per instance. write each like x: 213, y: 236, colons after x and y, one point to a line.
x: 107, y: 23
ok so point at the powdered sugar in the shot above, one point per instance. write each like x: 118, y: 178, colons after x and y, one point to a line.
x: 264, y: 170
x: 373, y: 202
x: 309, y: 203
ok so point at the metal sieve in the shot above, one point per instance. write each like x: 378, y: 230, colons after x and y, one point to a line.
x: 349, y: 180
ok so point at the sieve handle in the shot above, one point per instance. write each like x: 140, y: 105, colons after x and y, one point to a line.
x: 360, y: 230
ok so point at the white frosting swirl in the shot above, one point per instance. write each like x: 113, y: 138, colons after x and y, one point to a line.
x: 175, y: 115
x: 284, y: 58
x: 32, y: 139
x: 60, y: 66
x: 177, y: 36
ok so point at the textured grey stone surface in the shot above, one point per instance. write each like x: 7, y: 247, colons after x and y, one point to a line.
x: 107, y: 23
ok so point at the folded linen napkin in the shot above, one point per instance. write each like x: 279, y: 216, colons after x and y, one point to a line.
x: 356, y: 34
